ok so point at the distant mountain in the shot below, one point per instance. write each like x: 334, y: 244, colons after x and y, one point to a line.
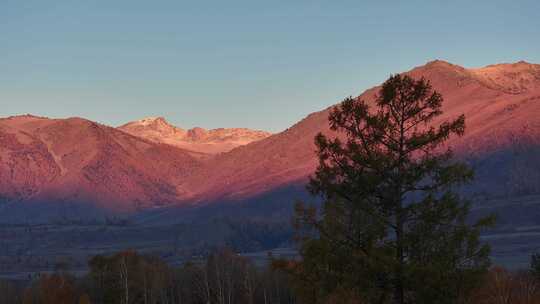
x: 200, y: 140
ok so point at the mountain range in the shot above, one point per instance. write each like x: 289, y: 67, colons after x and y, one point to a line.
x: 76, y: 168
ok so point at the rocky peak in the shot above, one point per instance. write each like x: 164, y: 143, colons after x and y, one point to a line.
x: 197, y: 139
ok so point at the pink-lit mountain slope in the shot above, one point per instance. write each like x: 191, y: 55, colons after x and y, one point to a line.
x: 75, y: 161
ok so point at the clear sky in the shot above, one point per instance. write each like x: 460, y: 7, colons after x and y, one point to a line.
x: 256, y: 64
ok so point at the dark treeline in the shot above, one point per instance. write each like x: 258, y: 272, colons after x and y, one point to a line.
x: 128, y: 277
x: 223, y: 278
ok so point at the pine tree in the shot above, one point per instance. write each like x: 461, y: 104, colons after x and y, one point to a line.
x: 393, y: 228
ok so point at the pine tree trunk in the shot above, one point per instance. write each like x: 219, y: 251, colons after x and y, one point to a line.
x: 400, y: 295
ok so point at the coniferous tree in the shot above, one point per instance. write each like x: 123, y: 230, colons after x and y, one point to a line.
x: 393, y: 228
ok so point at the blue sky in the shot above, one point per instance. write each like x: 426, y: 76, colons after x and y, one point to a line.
x: 256, y: 64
